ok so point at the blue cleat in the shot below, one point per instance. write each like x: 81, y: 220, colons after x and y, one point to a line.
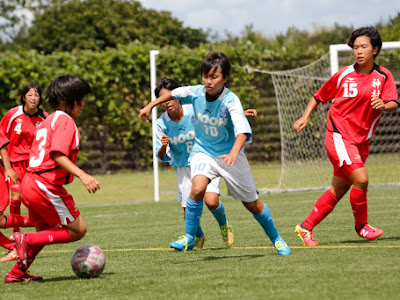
x: 183, y: 244
x: 281, y: 246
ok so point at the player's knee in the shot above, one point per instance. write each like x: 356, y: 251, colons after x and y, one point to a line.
x: 254, y: 207
x: 361, y: 183
x: 197, y: 193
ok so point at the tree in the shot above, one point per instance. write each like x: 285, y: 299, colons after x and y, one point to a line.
x: 16, y: 15
x: 98, y: 24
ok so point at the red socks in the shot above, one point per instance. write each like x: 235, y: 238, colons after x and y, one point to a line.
x: 15, y: 209
x: 56, y: 235
x: 17, y: 221
x: 323, y: 207
x: 358, y: 200
x: 15, y: 206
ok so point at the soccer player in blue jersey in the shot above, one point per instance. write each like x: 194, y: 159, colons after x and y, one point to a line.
x: 174, y: 142
x: 221, y: 130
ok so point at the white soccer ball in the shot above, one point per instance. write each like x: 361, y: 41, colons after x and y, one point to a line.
x: 88, y: 261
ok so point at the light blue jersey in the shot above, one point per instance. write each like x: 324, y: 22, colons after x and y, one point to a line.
x: 218, y: 122
x: 181, y: 134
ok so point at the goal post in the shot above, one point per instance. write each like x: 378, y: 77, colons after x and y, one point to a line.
x: 335, y: 49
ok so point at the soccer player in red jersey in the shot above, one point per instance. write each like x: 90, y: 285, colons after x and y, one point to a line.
x: 19, y: 125
x: 51, y: 165
x: 7, y: 176
x: 361, y: 92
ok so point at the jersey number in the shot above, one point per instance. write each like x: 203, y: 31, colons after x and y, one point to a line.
x: 350, y: 89
x: 211, y: 130
x: 18, y: 128
x: 35, y: 162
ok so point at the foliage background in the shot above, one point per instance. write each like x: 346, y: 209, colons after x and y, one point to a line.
x: 107, y: 42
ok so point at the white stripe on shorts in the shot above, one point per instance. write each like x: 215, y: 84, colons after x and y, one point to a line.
x: 58, y: 203
x: 341, y: 149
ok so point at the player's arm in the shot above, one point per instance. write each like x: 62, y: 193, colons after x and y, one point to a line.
x: 250, y: 112
x: 145, y: 111
x: 9, y: 173
x: 162, y: 152
x: 378, y: 103
x: 91, y: 184
x: 301, y: 123
x: 230, y: 158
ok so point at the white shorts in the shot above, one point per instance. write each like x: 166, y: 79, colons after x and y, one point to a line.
x: 184, y: 182
x: 238, y: 178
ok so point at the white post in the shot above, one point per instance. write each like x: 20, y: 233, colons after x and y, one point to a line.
x: 153, y: 79
x: 334, y: 50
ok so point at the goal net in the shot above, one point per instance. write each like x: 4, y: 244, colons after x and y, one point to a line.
x: 305, y: 165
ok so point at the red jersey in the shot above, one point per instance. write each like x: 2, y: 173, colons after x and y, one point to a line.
x: 58, y: 133
x: 351, y: 113
x: 19, y: 127
x: 3, y: 140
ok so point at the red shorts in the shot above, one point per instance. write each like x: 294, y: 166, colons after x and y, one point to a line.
x: 48, y: 205
x: 344, y: 154
x: 20, y: 168
x: 4, y: 191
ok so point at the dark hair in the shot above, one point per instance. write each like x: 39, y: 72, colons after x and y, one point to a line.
x: 369, y: 31
x: 165, y: 83
x: 26, y: 89
x: 213, y: 60
x: 68, y: 88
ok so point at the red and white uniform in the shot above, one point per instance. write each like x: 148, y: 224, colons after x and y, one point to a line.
x: 20, y: 127
x: 351, y: 113
x: 4, y: 191
x: 48, y: 202
x: 351, y: 120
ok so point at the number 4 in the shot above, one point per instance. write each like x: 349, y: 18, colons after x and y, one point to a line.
x: 18, y: 128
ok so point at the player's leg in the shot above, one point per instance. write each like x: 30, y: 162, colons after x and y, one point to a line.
x: 358, y: 200
x: 216, y: 207
x: 15, y: 201
x: 262, y: 214
x: 194, y: 210
x: 15, y: 206
x: 241, y: 185
x: 184, y: 183
x: 322, y: 208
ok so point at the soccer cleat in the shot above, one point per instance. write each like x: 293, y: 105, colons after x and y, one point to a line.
x: 282, y: 247
x: 305, y: 235
x: 11, y: 255
x: 227, y: 234
x: 22, y: 249
x: 199, y: 242
x: 26, y: 277
x: 183, y: 244
x: 369, y: 232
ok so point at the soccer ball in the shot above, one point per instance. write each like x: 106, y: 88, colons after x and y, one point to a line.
x: 88, y: 261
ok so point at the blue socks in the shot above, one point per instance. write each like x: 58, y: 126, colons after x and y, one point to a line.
x: 266, y: 222
x: 194, y: 210
x: 219, y: 214
x: 199, y: 232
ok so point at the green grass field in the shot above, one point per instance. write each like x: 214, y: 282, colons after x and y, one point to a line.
x: 134, y: 232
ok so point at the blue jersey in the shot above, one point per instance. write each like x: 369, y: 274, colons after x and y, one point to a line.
x: 181, y: 134
x: 218, y: 122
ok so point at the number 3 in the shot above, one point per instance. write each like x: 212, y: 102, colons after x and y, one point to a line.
x: 41, y: 133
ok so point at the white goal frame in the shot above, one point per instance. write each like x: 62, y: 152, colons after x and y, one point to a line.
x: 335, y: 49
